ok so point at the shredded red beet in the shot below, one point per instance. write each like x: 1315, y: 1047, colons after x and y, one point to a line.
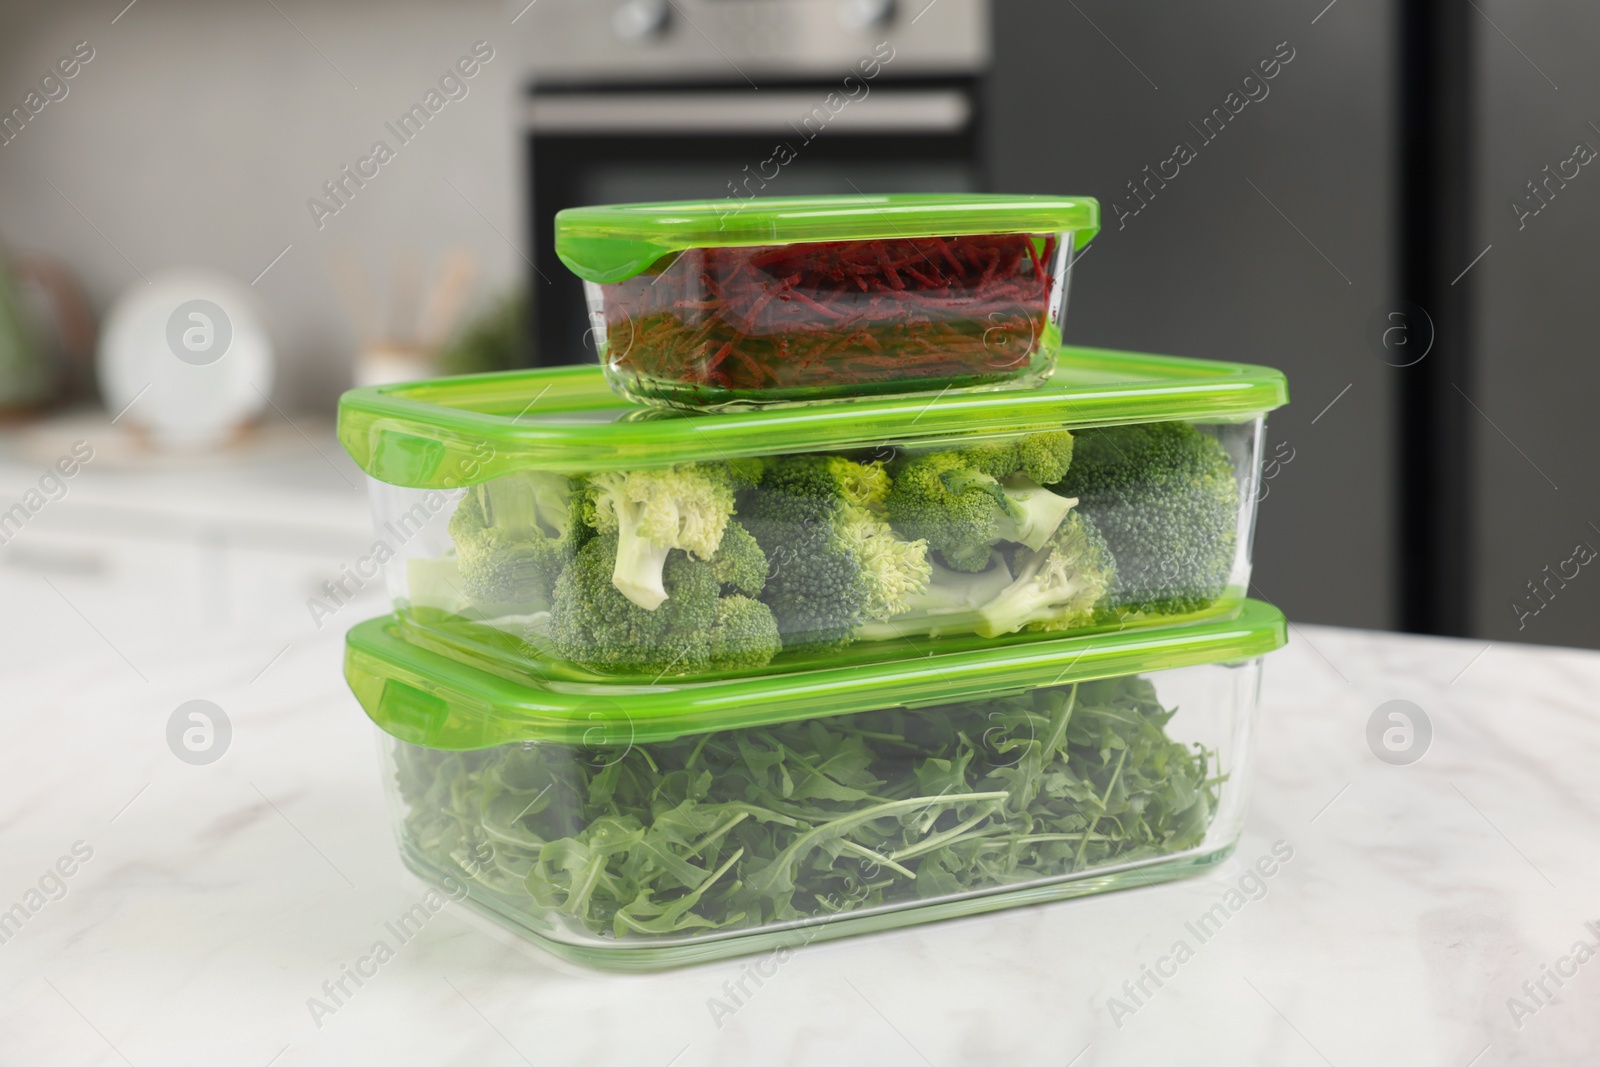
x: 835, y: 315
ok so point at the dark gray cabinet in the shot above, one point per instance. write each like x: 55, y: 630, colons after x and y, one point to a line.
x: 1537, y: 490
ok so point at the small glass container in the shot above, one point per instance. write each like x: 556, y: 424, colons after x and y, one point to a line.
x: 733, y: 303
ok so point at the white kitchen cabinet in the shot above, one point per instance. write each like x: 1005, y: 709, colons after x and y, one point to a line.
x: 129, y: 561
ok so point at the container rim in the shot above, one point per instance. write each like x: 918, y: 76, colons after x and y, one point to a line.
x: 613, y: 242
x: 428, y: 699
x: 448, y: 433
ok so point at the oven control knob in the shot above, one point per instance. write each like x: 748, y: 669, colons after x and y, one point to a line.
x: 641, y: 20
x: 866, y: 14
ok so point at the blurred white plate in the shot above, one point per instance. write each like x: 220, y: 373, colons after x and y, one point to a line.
x: 186, y: 358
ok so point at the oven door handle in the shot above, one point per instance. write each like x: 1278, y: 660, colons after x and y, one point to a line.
x: 670, y: 113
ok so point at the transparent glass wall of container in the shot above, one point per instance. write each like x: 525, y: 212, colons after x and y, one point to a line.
x: 711, y: 328
x: 717, y: 568
x: 632, y: 855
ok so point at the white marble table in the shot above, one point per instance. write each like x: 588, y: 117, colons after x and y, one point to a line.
x: 219, y: 898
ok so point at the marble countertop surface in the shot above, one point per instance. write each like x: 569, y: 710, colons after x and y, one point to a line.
x: 207, y: 904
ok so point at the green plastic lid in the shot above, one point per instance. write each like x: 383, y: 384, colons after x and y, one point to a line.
x: 453, y: 432
x: 429, y: 699
x: 614, y: 242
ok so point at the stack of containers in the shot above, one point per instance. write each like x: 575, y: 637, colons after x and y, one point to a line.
x: 868, y: 602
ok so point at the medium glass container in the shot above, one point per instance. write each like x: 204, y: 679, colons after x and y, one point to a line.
x: 534, y: 524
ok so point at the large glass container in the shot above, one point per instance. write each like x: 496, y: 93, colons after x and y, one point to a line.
x: 643, y: 828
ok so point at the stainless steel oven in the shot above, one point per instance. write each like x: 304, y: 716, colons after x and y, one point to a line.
x: 675, y: 99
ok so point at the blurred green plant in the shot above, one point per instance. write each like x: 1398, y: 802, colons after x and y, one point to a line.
x: 498, y: 338
x: 24, y: 379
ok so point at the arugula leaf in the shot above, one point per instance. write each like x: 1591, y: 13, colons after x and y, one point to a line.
x: 749, y: 827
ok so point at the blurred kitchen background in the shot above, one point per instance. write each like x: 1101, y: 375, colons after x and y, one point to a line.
x: 1357, y: 226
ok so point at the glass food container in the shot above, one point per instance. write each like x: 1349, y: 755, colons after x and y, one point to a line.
x: 536, y: 524
x: 728, y: 303
x: 642, y: 828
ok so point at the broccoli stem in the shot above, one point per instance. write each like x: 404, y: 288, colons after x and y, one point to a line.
x: 949, y: 605
x: 532, y: 500
x: 1033, y: 513
x: 641, y: 561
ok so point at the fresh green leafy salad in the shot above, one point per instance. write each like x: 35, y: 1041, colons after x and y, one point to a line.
x: 750, y: 827
x: 723, y: 566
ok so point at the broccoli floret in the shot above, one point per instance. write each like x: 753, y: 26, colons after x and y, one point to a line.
x: 513, y: 536
x: 966, y: 500
x: 1056, y: 587
x: 835, y: 562
x: 744, y: 636
x: 1043, y: 457
x: 655, y: 511
x: 865, y: 485
x: 696, y: 628
x: 1046, y: 456
x: 739, y: 561
x: 1040, y: 456
x: 1165, y: 497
